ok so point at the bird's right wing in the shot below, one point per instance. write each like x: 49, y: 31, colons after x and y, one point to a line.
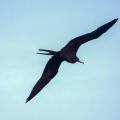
x: 74, y: 44
x: 49, y: 72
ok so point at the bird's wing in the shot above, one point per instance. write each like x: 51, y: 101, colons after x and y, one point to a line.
x: 49, y: 72
x: 74, y: 44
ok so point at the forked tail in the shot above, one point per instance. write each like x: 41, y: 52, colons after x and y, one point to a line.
x: 50, y: 52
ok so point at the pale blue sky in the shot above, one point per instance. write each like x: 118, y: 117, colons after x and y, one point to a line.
x: 78, y: 92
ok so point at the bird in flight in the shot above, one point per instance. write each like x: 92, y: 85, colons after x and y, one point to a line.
x: 67, y: 53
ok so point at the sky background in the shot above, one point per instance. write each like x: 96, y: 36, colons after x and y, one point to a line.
x: 78, y: 92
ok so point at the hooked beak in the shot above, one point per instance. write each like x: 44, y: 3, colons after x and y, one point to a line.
x: 80, y: 61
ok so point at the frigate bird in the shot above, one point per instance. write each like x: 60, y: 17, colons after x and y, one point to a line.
x: 67, y: 53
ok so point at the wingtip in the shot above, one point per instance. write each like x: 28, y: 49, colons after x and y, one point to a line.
x: 115, y: 20
x: 27, y: 100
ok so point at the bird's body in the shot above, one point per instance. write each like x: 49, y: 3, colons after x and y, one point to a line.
x: 67, y: 53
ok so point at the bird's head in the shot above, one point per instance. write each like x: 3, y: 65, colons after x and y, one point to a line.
x: 77, y: 60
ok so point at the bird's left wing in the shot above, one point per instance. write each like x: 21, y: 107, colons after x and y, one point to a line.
x: 49, y: 72
x: 74, y: 44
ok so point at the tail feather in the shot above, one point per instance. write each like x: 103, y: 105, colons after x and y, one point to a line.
x: 50, y: 52
x: 44, y: 53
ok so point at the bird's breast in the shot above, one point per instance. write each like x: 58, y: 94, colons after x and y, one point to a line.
x: 67, y: 56
x: 70, y: 59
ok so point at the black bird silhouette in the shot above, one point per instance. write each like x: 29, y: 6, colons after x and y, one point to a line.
x: 68, y: 53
